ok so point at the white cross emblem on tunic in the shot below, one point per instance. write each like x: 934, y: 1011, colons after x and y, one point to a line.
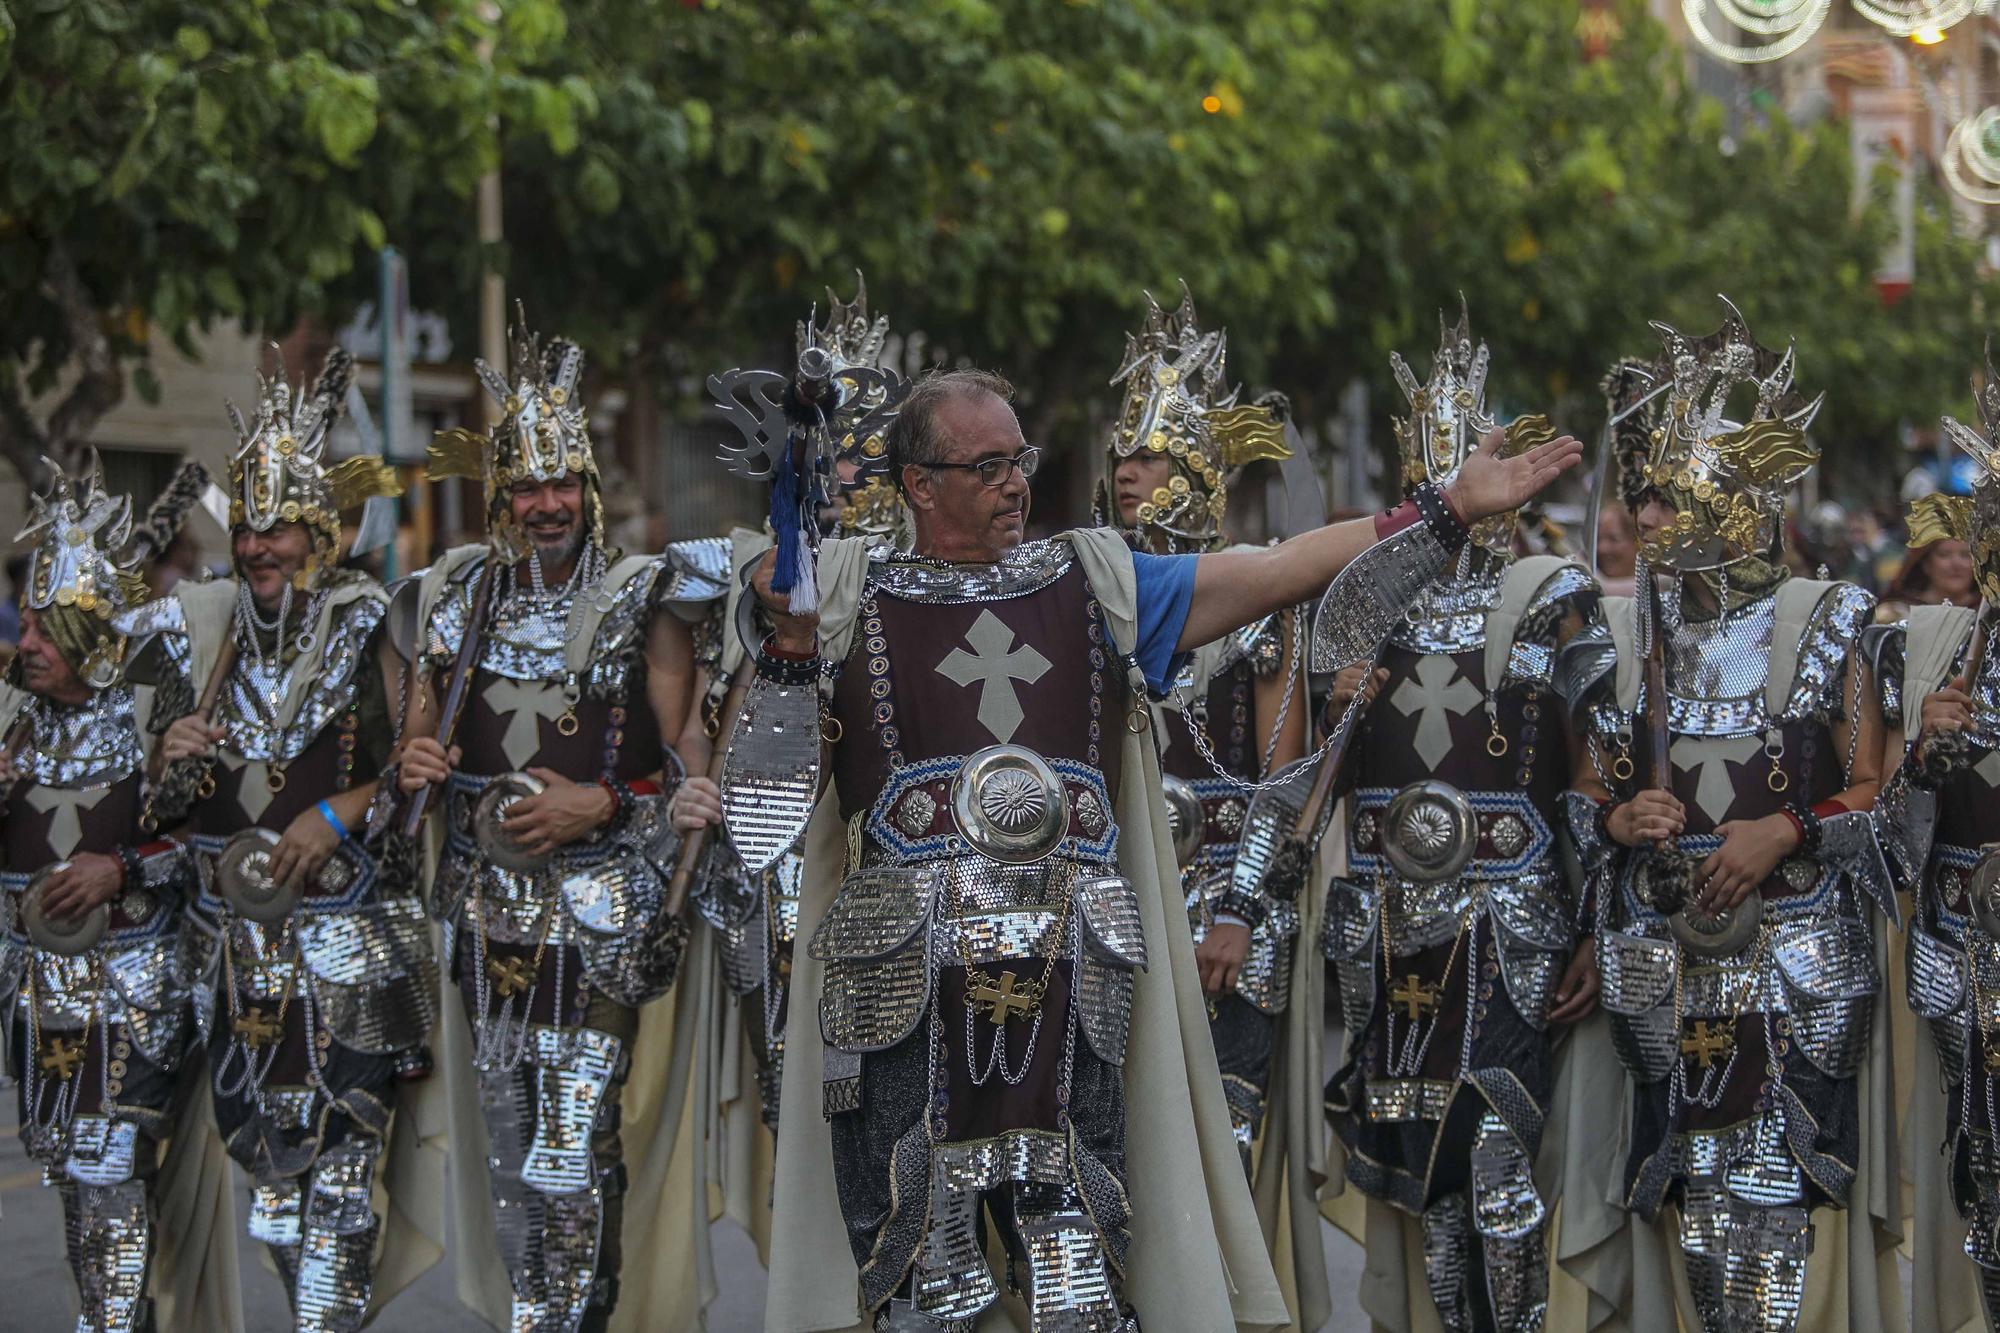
x: 1436, y: 690
x: 1714, y: 790
x: 1989, y: 768
x: 66, y: 828
x: 253, y: 789
x: 526, y: 703
x: 994, y: 664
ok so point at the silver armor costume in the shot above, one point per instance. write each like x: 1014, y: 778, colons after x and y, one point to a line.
x: 1937, y: 816
x: 979, y: 954
x: 553, y: 956
x: 1742, y: 1033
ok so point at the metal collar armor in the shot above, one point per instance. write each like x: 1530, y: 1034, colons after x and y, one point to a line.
x: 85, y: 745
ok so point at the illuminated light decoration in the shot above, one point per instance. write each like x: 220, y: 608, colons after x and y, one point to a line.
x: 1211, y: 104
x: 1922, y: 21
x: 1971, y: 164
x: 1724, y: 27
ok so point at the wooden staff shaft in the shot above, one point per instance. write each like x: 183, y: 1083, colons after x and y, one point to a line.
x: 454, y: 697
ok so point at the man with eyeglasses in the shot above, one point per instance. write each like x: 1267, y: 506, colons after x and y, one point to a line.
x: 988, y: 878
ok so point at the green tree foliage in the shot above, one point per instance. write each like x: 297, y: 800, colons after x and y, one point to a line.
x: 681, y: 179
x: 167, y: 165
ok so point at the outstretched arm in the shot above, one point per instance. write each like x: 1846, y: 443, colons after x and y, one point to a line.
x: 1233, y: 588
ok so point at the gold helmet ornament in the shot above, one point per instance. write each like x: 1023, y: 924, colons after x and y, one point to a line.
x: 543, y: 434
x: 1726, y: 480
x: 865, y: 500
x: 1973, y: 519
x: 79, y: 572
x: 1448, y: 418
x: 279, y: 473
x: 1177, y: 407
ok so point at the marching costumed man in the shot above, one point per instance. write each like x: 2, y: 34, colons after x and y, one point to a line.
x: 1735, y: 743
x: 98, y: 1014
x: 315, y: 987
x: 548, y: 671
x: 1236, y: 711
x: 1941, y: 701
x: 1007, y: 1016
x: 1453, y: 934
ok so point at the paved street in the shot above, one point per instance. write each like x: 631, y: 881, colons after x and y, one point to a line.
x: 37, y: 1299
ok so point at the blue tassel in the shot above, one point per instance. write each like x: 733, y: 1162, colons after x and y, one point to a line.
x: 785, y: 523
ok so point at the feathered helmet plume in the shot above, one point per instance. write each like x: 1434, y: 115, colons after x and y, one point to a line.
x: 1178, y: 406
x: 279, y: 473
x: 1975, y: 518
x: 78, y: 574
x: 1726, y: 480
x: 543, y: 433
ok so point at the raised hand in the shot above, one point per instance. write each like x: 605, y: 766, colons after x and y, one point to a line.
x: 1487, y: 484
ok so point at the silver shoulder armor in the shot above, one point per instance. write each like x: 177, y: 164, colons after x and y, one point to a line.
x: 1584, y: 666
x: 770, y: 777
x: 158, y: 634
x: 1367, y: 598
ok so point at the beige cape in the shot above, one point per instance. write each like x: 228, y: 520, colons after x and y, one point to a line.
x: 1197, y: 1263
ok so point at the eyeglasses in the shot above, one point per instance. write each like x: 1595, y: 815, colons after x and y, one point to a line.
x: 997, y: 471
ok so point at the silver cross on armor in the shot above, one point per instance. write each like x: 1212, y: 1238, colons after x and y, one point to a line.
x: 524, y: 703
x: 1436, y: 690
x: 66, y: 827
x: 994, y: 664
x: 1714, y: 789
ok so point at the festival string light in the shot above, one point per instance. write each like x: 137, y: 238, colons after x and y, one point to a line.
x: 1923, y: 21
x: 1754, y: 32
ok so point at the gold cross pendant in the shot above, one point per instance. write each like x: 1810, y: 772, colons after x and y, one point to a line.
x: 511, y: 975
x: 1708, y: 1044
x: 63, y: 1057
x: 257, y: 1028
x: 1002, y: 1001
x: 1415, y: 995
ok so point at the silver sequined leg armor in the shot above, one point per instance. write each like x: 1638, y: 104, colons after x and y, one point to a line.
x: 1510, y: 1220
x: 337, y: 1240
x: 109, y: 1236
x: 276, y: 1220
x: 1746, y: 1264
x: 1447, y: 1257
x: 549, y: 1190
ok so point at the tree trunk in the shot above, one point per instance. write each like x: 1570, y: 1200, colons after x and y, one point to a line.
x: 100, y: 382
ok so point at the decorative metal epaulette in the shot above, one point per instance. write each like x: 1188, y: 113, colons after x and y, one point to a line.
x: 1027, y: 568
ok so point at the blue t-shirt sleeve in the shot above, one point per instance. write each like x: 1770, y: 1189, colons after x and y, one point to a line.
x: 1165, y: 590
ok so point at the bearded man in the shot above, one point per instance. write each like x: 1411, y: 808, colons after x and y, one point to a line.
x: 986, y: 882
x: 556, y: 852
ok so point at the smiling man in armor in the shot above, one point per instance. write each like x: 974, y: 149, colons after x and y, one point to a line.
x: 1453, y: 935
x: 556, y: 847
x: 1008, y: 1020
x: 315, y: 987
x: 97, y: 1013
x: 1736, y: 881
x: 1940, y: 678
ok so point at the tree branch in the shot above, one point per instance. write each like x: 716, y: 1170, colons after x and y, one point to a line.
x: 21, y: 444
x: 100, y: 380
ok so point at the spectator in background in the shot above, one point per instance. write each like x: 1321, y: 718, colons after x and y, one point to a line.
x: 1933, y: 575
x: 181, y: 560
x: 1617, y: 550
x: 10, y: 608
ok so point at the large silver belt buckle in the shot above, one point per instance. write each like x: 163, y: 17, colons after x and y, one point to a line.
x: 1429, y: 831
x: 1185, y: 817
x: 494, y: 801
x: 1009, y: 804
x: 1721, y: 934
x: 1982, y: 890
x: 243, y: 878
x: 66, y: 938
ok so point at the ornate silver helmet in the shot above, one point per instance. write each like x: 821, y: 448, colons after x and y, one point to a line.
x: 543, y: 434
x: 1975, y: 518
x: 1448, y: 418
x: 1177, y: 407
x: 1726, y: 480
x: 79, y: 573
x: 865, y: 497
x: 279, y: 473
